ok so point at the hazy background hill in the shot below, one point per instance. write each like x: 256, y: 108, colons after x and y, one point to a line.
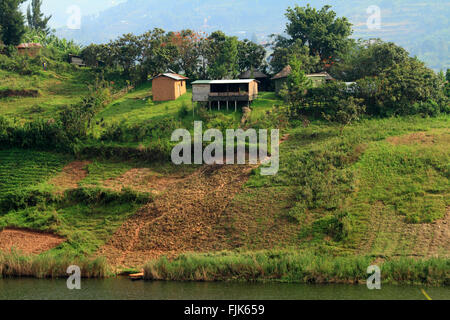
x: 421, y: 26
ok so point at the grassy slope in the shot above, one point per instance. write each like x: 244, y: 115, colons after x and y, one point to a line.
x: 329, y: 187
x: 390, y: 184
x: 56, y: 90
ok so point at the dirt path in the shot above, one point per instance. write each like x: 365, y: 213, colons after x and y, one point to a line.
x: 27, y: 242
x: 183, y: 219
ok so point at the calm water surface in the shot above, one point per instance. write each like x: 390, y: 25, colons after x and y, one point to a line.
x: 123, y: 288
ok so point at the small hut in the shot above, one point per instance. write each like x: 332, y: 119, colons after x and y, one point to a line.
x: 29, y: 49
x: 318, y: 79
x: 168, y: 86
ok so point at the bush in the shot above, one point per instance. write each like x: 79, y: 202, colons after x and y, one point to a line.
x: 103, y: 197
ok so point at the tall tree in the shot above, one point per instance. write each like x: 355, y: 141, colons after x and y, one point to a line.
x: 36, y: 19
x: 284, y: 52
x: 320, y: 30
x: 251, y: 56
x: 223, y: 56
x: 12, y: 24
x: 187, y: 42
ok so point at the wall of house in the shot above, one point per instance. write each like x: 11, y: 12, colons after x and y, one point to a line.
x: 180, y: 88
x: 253, y: 88
x: 164, y: 89
x: 279, y: 84
x: 31, y: 52
x: 200, y: 92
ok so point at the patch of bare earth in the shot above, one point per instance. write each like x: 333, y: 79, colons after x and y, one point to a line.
x: 183, y: 219
x: 141, y: 180
x: 27, y: 242
x: 71, y: 174
x: 388, y: 234
x: 413, y: 138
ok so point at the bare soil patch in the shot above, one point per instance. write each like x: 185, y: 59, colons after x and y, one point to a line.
x: 28, y: 242
x: 183, y: 219
x: 413, y: 138
x: 141, y: 180
x: 70, y: 176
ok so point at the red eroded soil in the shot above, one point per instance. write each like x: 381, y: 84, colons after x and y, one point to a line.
x: 183, y: 219
x: 71, y: 174
x: 141, y: 180
x: 27, y: 242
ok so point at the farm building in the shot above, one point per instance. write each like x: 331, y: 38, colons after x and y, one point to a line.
x: 262, y: 78
x: 29, y: 49
x: 224, y: 92
x: 317, y: 78
x: 168, y: 86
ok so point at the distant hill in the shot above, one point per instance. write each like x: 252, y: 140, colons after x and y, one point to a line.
x: 421, y: 26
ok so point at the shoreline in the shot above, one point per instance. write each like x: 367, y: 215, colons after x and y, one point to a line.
x: 277, y: 266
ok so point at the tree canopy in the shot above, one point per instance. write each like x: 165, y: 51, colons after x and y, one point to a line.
x: 12, y: 24
x: 36, y: 19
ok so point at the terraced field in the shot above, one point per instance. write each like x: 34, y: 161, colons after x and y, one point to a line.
x: 20, y: 169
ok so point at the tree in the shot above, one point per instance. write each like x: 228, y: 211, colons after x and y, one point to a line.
x: 188, y: 44
x: 36, y: 19
x: 345, y: 112
x: 320, y: 30
x: 368, y: 58
x: 295, y: 89
x: 158, y: 53
x: 222, y: 56
x: 11, y: 22
x: 401, y: 89
x: 284, y: 52
x: 251, y: 56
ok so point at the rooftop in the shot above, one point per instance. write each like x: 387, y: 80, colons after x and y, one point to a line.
x: 29, y: 45
x: 252, y: 73
x: 223, y: 81
x: 173, y: 76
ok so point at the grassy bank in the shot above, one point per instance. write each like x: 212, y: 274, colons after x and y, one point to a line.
x: 48, y: 266
x: 295, y: 266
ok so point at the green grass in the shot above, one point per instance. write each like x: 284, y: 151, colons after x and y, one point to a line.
x: 56, y: 90
x: 138, y: 106
x: 46, y: 266
x: 264, y: 103
x: 294, y: 266
x: 20, y: 169
x: 329, y: 185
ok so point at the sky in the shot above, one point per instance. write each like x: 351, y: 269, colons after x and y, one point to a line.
x: 58, y: 8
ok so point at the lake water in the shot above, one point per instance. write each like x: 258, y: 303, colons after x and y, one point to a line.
x: 122, y: 288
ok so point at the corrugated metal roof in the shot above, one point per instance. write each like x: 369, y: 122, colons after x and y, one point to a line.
x: 223, y: 81
x: 173, y: 76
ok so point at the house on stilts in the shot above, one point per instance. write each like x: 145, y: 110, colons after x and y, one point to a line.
x: 225, y: 93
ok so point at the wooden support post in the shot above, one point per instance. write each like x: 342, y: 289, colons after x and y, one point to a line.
x: 227, y: 105
x: 218, y: 105
x: 235, y: 105
x: 210, y: 106
x: 193, y: 111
